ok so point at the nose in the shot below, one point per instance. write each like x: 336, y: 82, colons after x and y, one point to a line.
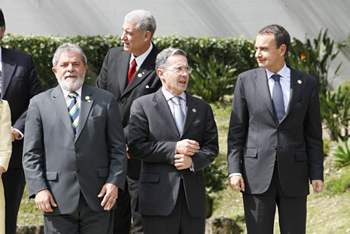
x: 123, y: 36
x: 70, y: 67
x: 257, y: 53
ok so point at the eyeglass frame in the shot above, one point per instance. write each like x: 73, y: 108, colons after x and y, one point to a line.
x: 181, y: 69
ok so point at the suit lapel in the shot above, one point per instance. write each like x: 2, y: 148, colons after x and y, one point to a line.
x: 146, y: 68
x: 296, y: 84
x: 8, y: 68
x: 123, y: 67
x: 163, y: 109
x: 85, y: 106
x: 191, y: 112
x: 59, y: 102
x: 263, y: 88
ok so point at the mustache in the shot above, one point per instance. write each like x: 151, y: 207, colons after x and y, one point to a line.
x: 70, y: 74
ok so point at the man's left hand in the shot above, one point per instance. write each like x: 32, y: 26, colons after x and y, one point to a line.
x: 15, y: 134
x: 109, y: 193
x: 182, y: 162
x: 317, y: 186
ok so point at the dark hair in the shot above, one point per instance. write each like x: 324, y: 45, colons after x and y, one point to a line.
x: 2, y: 19
x: 280, y: 34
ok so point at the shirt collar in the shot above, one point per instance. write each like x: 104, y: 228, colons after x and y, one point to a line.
x: 65, y: 92
x: 140, y: 59
x: 284, y: 72
x: 169, y: 96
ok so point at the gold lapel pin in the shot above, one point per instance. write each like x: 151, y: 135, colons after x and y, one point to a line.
x: 194, y: 110
x: 299, y: 82
x: 87, y: 98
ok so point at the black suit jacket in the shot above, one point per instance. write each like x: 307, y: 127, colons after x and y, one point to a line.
x: 113, y: 77
x: 152, y: 139
x: 69, y: 166
x: 19, y: 84
x: 256, y: 139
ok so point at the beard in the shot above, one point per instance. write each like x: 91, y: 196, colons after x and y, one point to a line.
x: 70, y: 84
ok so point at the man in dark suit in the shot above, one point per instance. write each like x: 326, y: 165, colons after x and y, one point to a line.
x: 75, y: 159
x: 275, y: 142
x: 118, y: 76
x: 18, y: 84
x: 175, y: 141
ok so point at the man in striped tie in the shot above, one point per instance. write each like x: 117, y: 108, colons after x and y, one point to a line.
x: 75, y: 158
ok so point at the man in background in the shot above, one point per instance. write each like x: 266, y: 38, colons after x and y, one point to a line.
x: 19, y: 83
x: 128, y: 72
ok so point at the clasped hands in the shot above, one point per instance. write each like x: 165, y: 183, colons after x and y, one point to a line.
x: 44, y: 200
x: 185, y: 149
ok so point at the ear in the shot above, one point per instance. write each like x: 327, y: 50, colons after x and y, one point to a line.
x: 283, y: 49
x: 86, y: 68
x: 160, y: 74
x: 54, y: 70
x: 147, y: 36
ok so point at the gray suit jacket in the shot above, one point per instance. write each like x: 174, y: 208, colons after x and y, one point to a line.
x: 152, y: 139
x: 54, y: 159
x: 255, y: 138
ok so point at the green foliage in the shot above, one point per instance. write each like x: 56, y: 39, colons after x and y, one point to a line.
x: 338, y: 182
x: 211, y: 79
x: 215, y: 178
x: 42, y: 48
x: 314, y: 57
x: 335, y: 107
x: 341, y: 154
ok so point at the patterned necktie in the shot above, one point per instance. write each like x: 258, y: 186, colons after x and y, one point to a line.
x: 277, y: 98
x: 178, y: 114
x: 132, y: 70
x: 74, y: 110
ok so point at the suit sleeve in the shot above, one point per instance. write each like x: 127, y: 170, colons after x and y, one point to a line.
x: 34, y: 87
x: 313, y: 134
x: 140, y: 145
x: 209, y: 147
x: 237, y: 129
x: 33, y: 151
x: 101, y: 81
x: 116, y: 145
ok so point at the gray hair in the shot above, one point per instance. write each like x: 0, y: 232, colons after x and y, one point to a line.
x: 65, y: 48
x: 144, y: 21
x: 162, y: 57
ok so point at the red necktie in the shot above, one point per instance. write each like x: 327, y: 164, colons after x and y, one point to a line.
x: 132, y: 71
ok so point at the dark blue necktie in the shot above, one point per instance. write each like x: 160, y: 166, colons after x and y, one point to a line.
x: 277, y: 98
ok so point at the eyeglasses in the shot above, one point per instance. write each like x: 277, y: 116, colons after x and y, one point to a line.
x: 180, y: 70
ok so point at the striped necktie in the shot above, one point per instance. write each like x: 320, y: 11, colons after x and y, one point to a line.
x: 74, y: 110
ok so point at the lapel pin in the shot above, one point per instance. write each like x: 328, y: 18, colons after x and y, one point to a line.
x: 147, y: 86
x: 87, y: 98
x: 299, y: 82
x: 194, y: 110
x: 139, y: 75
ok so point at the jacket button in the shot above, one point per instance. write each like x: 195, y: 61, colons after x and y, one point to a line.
x: 274, y: 147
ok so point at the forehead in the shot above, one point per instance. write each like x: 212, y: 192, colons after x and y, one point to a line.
x: 129, y: 26
x: 70, y: 56
x: 177, y: 60
x: 265, y: 39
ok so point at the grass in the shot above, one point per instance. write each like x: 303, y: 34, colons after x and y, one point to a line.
x: 327, y: 212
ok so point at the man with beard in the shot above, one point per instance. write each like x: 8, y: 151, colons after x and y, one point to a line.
x: 74, y: 160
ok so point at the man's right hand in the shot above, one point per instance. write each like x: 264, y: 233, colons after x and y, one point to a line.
x: 44, y: 201
x: 187, y: 147
x: 236, y: 182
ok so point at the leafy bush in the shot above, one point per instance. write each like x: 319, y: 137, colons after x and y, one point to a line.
x: 210, y: 79
x: 314, y: 57
x: 215, y: 178
x: 341, y: 154
x: 338, y: 182
x: 335, y: 107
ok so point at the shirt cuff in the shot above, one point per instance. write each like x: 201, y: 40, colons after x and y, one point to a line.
x: 233, y: 174
x: 20, y: 134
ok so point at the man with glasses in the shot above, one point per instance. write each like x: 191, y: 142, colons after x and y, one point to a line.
x: 175, y: 137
